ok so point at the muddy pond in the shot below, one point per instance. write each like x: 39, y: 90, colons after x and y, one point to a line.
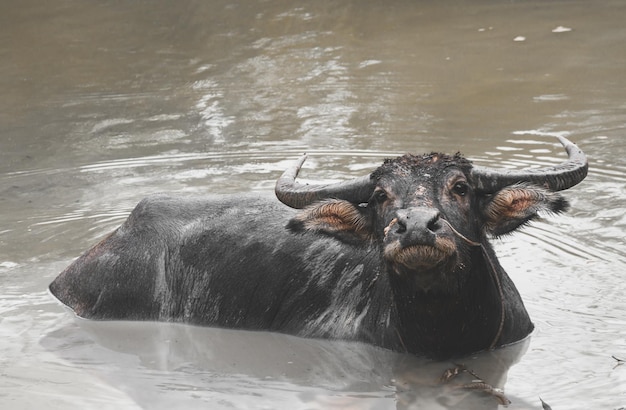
x: 103, y: 103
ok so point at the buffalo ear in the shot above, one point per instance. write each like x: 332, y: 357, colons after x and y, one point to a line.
x: 341, y: 219
x: 516, y: 205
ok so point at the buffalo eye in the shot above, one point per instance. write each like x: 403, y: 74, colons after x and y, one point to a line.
x: 460, y: 188
x: 379, y: 196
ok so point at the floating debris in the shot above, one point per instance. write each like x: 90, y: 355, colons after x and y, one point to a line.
x: 550, y: 97
x: 449, y: 374
x: 561, y: 29
x: 488, y: 389
x: 545, y: 405
x: 477, y: 384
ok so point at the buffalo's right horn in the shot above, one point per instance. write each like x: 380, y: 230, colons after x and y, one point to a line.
x: 556, y: 178
x: 296, y: 195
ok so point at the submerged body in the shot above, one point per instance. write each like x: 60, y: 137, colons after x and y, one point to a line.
x: 400, y: 260
x: 191, y: 268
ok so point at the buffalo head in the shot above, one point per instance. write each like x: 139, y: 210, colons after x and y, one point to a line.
x: 428, y: 212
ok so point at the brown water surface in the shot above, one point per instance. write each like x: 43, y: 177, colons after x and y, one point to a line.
x: 102, y: 103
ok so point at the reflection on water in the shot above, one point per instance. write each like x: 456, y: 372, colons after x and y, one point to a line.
x: 103, y: 103
x: 272, y: 369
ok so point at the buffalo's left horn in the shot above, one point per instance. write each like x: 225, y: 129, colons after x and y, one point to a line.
x: 556, y: 178
x: 296, y: 195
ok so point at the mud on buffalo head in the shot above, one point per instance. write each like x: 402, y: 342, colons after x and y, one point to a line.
x: 428, y: 212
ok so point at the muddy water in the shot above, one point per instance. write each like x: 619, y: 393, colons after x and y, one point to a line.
x: 102, y: 103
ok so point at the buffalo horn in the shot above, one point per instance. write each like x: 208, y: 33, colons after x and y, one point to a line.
x: 556, y: 178
x: 297, y: 195
x: 486, y: 180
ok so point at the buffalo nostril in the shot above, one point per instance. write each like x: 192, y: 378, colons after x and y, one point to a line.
x: 433, y: 224
x: 400, y: 227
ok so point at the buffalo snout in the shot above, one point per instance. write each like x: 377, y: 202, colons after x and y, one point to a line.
x: 416, y: 226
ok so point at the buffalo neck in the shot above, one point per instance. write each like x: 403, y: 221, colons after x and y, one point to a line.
x: 455, y: 322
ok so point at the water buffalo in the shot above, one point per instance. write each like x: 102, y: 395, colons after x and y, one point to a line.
x: 399, y: 258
